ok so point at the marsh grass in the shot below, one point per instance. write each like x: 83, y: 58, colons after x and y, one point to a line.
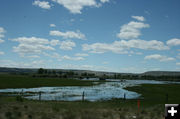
x: 151, y: 107
x: 25, y: 81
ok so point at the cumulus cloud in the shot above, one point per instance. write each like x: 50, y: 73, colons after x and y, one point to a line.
x: 31, y: 40
x: 52, y: 25
x: 66, y: 57
x: 1, y: 53
x: 31, y: 45
x: 139, y: 18
x: 19, y: 64
x: 178, y: 56
x: 178, y: 63
x: 103, y: 1
x: 68, y: 34
x: 173, y: 42
x: 2, y: 31
x: 67, y: 45
x: 42, y: 4
x: 123, y: 46
x: 1, y: 41
x: 131, y: 30
x: 54, y: 42
x: 159, y: 57
x: 33, y: 56
x: 81, y: 54
x: 76, y: 6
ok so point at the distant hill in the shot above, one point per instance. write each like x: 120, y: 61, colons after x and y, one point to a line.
x: 97, y: 73
x: 161, y: 73
x: 17, y: 70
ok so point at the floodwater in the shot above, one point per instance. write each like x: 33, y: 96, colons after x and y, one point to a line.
x: 104, y: 91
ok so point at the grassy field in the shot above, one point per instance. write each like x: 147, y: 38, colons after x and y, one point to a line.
x: 152, y: 101
x: 151, y: 106
x: 153, y: 94
x: 75, y: 110
x: 21, y: 81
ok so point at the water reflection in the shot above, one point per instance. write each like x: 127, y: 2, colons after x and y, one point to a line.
x: 104, y: 91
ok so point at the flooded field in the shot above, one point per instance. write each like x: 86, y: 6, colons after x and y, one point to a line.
x: 105, y: 91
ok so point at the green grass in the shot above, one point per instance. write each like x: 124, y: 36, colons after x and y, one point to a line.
x: 20, y: 81
x: 151, y: 102
x: 151, y: 106
x: 153, y: 94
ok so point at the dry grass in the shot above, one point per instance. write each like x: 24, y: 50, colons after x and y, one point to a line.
x: 63, y: 110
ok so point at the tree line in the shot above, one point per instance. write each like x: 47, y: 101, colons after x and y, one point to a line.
x: 70, y: 74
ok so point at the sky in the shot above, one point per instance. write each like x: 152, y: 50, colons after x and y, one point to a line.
x: 103, y: 35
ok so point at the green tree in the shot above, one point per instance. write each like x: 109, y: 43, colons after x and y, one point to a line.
x: 54, y: 72
x: 45, y: 71
x: 40, y: 71
x: 49, y: 72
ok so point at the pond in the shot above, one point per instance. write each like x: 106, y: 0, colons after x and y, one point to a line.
x: 104, y: 91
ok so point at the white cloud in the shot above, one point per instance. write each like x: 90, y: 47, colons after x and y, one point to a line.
x: 68, y: 34
x: 173, y: 42
x: 33, y: 56
x: 54, y: 42
x: 76, y: 6
x: 131, y: 30
x: 1, y: 53
x: 123, y: 46
x: 105, y: 62
x: 31, y: 45
x: 142, y: 44
x: 2, y: 31
x: 52, y: 25
x: 178, y: 63
x: 19, y: 64
x: 178, y: 56
x: 31, y: 40
x: 1, y: 41
x: 103, y: 1
x: 81, y: 54
x: 66, y: 57
x: 159, y: 57
x: 67, y: 45
x: 42, y: 4
x: 139, y: 18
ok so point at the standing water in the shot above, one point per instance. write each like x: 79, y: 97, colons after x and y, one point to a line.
x: 104, y: 91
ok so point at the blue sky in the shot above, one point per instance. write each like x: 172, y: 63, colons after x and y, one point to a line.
x: 105, y: 35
